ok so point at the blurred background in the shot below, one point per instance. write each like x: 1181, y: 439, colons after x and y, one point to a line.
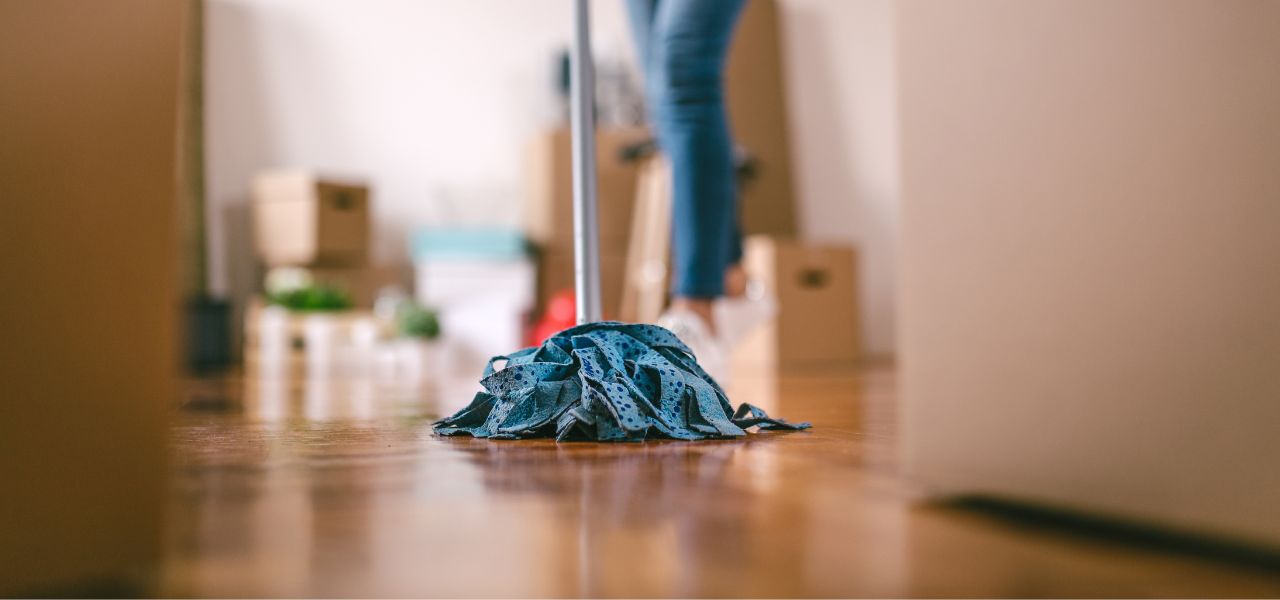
x: 1027, y: 249
x: 452, y: 119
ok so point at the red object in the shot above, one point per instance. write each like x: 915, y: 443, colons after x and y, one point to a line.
x: 560, y: 314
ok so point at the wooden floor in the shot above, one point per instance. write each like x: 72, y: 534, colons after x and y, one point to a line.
x: 338, y: 488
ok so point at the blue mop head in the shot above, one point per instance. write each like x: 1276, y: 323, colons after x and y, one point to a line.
x: 604, y: 381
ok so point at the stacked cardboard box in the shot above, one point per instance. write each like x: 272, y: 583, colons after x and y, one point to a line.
x: 548, y: 208
x: 363, y: 282
x: 303, y: 219
x: 816, y: 326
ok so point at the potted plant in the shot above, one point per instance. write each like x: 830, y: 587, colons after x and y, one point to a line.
x: 418, y: 347
x: 291, y: 292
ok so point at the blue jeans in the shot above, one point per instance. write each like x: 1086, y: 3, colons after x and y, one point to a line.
x: 681, y: 45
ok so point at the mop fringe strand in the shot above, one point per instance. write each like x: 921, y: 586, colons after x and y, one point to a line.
x: 604, y: 381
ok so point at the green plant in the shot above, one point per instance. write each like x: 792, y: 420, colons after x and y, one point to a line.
x: 311, y: 298
x: 415, y: 320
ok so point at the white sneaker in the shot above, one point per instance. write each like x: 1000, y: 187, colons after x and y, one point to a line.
x: 738, y: 317
x: 708, y: 351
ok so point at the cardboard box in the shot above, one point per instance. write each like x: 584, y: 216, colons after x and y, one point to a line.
x: 816, y: 326
x: 90, y: 120
x: 555, y: 273
x: 548, y: 209
x: 647, y: 278
x: 301, y: 219
x: 755, y: 93
x: 362, y: 283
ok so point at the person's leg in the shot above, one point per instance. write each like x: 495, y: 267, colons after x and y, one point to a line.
x: 690, y: 41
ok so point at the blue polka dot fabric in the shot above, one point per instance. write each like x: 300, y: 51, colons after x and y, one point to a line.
x: 608, y: 382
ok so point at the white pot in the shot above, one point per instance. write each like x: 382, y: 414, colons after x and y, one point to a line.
x: 273, y: 338
x: 322, y: 340
x: 420, y: 360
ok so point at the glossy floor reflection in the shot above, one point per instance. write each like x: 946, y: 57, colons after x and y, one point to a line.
x: 338, y: 488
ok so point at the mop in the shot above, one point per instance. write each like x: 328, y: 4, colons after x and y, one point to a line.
x: 600, y: 380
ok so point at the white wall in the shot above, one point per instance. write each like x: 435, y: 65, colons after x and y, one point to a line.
x: 433, y: 100
x: 843, y: 116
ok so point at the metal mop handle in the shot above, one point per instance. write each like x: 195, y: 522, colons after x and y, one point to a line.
x: 586, y: 235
